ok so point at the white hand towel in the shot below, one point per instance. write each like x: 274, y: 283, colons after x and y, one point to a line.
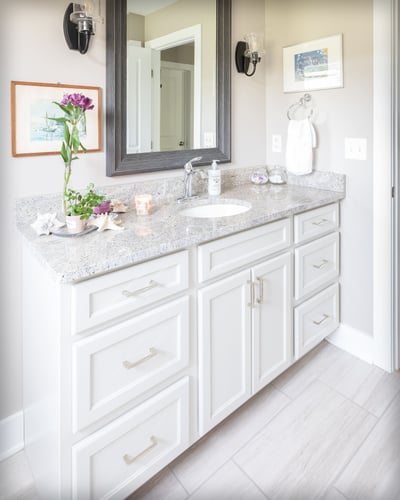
x: 300, y: 142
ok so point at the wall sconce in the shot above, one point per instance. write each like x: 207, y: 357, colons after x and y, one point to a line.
x: 249, y: 51
x: 79, y: 24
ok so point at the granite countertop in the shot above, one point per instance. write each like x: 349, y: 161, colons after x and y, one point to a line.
x: 164, y: 231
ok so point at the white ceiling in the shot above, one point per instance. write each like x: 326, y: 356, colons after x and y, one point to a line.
x: 144, y: 7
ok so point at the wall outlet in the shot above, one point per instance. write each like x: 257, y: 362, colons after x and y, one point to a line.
x: 276, y: 143
x: 209, y: 141
x: 355, y: 148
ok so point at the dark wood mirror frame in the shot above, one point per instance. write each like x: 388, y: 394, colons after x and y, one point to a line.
x: 118, y: 161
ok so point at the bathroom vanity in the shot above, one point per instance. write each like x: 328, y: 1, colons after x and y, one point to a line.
x: 137, y: 343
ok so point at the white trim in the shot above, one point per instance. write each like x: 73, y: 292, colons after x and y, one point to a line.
x: 396, y: 184
x: 11, y: 435
x: 180, y: 37
x: 353, y: 341
x: 382, y: 184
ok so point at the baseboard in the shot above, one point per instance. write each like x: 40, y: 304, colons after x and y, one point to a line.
x: 11, y: 435
x: 353, y: 341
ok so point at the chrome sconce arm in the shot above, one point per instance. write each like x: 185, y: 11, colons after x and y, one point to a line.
x: 79, y: 24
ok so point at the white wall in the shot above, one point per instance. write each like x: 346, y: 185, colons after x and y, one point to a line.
x: 34, y: 50
x: 338, y: 113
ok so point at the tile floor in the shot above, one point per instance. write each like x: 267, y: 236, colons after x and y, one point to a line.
x: 328, y: 428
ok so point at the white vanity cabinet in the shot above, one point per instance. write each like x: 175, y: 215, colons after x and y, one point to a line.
x: 245, y: 336
x: 316, y: 314
x: 126, y: 370
x: 107, y: 377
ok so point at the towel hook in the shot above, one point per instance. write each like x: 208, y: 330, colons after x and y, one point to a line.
x: 301, y: 102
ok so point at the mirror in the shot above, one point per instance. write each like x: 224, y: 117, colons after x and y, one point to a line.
x: 140, y: 135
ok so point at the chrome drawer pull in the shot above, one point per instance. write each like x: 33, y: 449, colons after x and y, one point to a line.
x: 152, y: 284
x: 251, y: 303
x: 128, y: 365
x: 323, y: 264
x: 128, y: 459
x: 324, y: 318
x: 320, y: 223
x: 260, y: 300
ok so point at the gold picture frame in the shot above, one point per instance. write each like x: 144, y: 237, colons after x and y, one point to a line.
x: 33, y: 133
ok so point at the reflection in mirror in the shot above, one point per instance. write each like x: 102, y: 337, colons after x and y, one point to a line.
x: 168, y: 83
x: 171, y: 77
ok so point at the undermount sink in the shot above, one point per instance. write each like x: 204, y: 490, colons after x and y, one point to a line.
x: 216, y: 210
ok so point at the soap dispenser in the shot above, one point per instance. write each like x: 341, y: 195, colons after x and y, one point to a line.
x: 214, y: 179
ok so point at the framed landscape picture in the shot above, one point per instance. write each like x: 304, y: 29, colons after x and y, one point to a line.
x: 33, y: 132
x: 313, y: 65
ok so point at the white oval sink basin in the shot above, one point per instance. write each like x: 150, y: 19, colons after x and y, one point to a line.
x: 215, y: 210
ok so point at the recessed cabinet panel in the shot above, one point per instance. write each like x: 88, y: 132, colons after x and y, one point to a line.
x: 315, y: 319
x: 316, y: 263
x: 107, y: 297
x: 116, y: 365
x: 114, y: 461
x: 272, y: 325
x: 229, y: 253
x: 224, y: 348
x: 316, y: 222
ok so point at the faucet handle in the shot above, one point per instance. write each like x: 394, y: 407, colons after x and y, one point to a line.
x: 188, y: 165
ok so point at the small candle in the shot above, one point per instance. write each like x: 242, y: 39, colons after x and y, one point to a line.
x: 143, y: 204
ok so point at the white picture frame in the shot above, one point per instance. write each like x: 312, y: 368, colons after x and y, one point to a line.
x: 313, y: 65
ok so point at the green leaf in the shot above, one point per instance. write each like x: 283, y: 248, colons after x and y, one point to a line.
x: 59, y: 119
x: 83, y: 148
x: 67, y: 135
x: 65, y: 153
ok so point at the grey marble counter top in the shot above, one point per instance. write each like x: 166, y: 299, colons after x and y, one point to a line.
x: 164, y: 231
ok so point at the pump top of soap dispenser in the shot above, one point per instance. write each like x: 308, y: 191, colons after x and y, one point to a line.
x: 214, y: 165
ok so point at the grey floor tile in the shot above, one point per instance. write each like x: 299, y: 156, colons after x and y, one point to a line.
x: 301, y: 451
x: 16, y: 480
x: 333, y: 494
x: 347, y: 374
x: 378, y: 391
x: 374, y: 471
x: 203, y: 459
x: 228, y: 483
x: 307, y: 369
x: 163, y: 486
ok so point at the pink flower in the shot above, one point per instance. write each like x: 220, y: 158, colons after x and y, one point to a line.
x: 103, y: 208
x: 78, y: 100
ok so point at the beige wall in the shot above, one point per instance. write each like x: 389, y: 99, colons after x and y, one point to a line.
x: 258, y: 110
x: 338, y: 113
x: 41, y: 55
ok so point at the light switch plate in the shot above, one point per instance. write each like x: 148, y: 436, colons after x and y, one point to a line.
x: 355, y: 148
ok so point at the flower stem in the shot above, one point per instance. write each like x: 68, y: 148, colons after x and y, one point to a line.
x: 67, y: 175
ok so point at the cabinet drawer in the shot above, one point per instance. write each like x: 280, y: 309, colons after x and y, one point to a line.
x: 116, y: 365
x: 113, y: 462
x: 109, y: 296
x: 315, y: 319
x: 316, y: 264
x: 316, y: 222
x: 231, y: 252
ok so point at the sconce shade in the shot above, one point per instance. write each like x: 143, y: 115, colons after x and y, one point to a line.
x: 249, y: 51
x: 255, y: 44
x: 79, y: 24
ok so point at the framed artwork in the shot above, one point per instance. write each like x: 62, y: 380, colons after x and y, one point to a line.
x: 33, y: 132
x: 313, y: 65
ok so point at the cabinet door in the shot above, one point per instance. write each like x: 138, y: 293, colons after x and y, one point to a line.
x: 224, y: 348
x: 272, y: 325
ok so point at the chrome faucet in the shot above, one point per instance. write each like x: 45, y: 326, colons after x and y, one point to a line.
x: 187, y: 180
